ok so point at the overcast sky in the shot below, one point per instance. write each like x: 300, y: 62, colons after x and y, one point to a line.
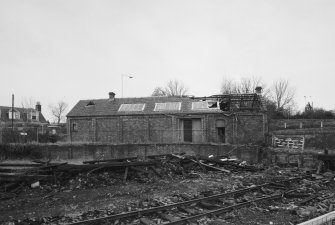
x: 74, y: 49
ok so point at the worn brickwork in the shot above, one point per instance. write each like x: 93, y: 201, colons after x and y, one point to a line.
x: 240, y: 128
x: 107, y: 130
x: 161, y: 129
x: 135, y: 129
x: 83, y: 131
x: 213, y: 135
x: 249, y: 129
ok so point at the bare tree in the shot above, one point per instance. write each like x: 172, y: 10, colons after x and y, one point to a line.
x: 283, y: 95
x: 228, y: 86
x: 248, y: 85
x: 245, y: 86
x: 58, y: 111
x: 172, y: 88
x: 158, y: 91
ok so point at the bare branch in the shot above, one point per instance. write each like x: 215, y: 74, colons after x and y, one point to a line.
x: 58, y: 111
x: 283, y: 95
x: 172, y: 88
x: 245, y: 85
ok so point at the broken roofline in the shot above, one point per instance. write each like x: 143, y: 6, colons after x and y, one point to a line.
x: 237, y: 102
x: 226, y: 96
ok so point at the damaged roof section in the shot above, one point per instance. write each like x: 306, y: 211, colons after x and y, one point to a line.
x: 161, y: 105
x: 236, y: 102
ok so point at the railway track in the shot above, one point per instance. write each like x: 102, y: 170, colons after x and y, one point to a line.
x: 187, y: 211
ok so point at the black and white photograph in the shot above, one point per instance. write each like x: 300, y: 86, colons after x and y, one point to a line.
x: 188, y: 112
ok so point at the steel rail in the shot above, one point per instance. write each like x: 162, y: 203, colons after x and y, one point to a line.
x: 228, y: 208
x: 165, y: 207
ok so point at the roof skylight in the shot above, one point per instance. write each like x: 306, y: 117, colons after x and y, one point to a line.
x: 205, y: 105
x: 168, y: 106
x: 131, y: 107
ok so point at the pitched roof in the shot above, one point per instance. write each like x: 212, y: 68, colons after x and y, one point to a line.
x: 23, y: 111
x: 107, y: 107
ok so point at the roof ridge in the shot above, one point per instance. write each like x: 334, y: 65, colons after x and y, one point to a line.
x: 9, y: 107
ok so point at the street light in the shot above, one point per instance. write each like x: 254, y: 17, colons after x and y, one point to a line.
x: 122, y: 76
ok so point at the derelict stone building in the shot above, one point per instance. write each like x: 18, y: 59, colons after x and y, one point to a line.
x: 234, y: 119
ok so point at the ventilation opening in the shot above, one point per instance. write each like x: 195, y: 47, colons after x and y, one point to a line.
x: 90, y: 103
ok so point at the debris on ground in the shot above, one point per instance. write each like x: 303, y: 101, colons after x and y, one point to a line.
x: 58, y: 193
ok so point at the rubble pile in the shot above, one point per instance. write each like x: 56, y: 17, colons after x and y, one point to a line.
x: 102, y: 188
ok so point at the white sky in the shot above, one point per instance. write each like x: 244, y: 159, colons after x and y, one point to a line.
x: 75, y: 49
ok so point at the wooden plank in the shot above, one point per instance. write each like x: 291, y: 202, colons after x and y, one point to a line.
x: 201, y: 163
x: 321, y: 219
x: 125, y: 174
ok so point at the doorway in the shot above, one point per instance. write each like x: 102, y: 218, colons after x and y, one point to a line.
x: 192, y: 131
x: 221, y: 134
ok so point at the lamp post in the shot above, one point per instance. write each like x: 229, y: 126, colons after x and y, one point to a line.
x: 122, y: 76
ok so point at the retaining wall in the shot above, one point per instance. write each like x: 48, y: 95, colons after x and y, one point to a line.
x: 84, y: 152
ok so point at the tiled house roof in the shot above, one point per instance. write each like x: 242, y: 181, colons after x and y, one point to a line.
x: 4, y: 117
x: 108, y: 107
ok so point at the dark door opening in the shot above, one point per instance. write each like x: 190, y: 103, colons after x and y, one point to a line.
x: 188, y: 130
x: 222, y: 134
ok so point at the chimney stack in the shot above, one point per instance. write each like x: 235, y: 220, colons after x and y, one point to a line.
x: 111, y: 96
x: 38, y: 107
x: 258, y: 90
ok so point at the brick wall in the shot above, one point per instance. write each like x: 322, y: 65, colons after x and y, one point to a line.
x: 212, y: 135
x: 161, y: 129
x: 84, y: 131
x: 107, y: 130
x: 249, y: 129
x: 135, y: 129
x: 244, y: 128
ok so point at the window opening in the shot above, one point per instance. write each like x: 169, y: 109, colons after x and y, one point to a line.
x: 74, y: 127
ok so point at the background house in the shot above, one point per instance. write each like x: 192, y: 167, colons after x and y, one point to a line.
x: 26, y: 125
x: 219, y: 119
